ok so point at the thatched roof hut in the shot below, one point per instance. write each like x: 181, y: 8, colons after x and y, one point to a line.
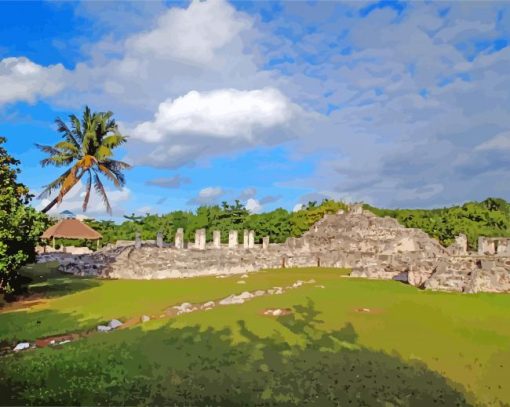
x: 71, y: 229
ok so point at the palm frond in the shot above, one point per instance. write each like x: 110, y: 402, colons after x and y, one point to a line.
x: 58, y: 160
x: 76, y: 127
x: 66, y: 133
x: 99, y: 187
x: 48, y: 189
x: 68, y: 146
x: 110, y: 175
x: 87, y: 193
x: 47, y: 149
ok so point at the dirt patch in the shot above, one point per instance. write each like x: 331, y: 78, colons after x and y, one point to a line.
x: 23, y: 303
x: 56, y: 340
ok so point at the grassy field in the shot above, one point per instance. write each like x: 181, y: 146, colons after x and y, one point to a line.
x: 411, y: 348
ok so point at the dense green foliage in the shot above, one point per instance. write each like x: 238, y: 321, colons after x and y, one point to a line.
x: 20, y: 225
x: 489, y: 218
x: 278, y: 224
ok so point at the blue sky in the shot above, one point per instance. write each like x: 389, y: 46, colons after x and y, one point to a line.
x: 399, y: 104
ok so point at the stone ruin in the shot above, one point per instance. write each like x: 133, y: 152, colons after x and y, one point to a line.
x: 373, y: 247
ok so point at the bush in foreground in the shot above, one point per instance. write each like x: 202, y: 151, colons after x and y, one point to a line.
x: 20, y: 224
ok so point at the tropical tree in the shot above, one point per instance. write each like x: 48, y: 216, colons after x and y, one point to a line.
x: 87, y: 147
x: 20, y: 224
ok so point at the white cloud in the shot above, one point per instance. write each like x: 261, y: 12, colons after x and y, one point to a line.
x: 499, y: 142
x: 73, y: 202
x: 224, y: 113
x: 210, y: 123
x: 253, y: 205
x: 297, y: 207
x: 188, y: 35
x: 23, y: 80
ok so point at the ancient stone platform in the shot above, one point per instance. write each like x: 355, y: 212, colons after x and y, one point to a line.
x: 373, y: 247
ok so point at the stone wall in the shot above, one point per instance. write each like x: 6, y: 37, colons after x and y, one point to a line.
x: 371, y: 246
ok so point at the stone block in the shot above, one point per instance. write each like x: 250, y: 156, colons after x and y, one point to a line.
x: 251, y: 239
x: 245, y: 238
x: 200, y: 239
x: 232, y: 239
x: 265, y: 242
x: 159, y: 240
x: 179, y: 239
x: 216, y: 239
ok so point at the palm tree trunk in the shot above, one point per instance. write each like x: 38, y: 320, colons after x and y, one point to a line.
x: 55, y: 200
x: 50, y: 205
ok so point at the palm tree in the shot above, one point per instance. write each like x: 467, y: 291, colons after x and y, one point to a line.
x: 88, y: 148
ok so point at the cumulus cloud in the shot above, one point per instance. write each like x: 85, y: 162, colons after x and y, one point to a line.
x: 73, y: 202
x: 198, y: 39
x: 169, y: 182
x: 224, y: 113
x: 207, y: 196
x: 253, y: 205
x: 24, y: 80
x: 218, y: 121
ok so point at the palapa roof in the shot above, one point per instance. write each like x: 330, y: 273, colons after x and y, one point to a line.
x: 71, y: 229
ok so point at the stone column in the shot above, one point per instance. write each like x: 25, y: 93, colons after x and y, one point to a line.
x: 200, y: 239
x: 216, y: 239
x: 232, y: 239
x: 265, y: 242
x: 245, y: 238
x: 159, y: 240
x: 251, y: 239
x: 138, y: 241
x: 179, y: 239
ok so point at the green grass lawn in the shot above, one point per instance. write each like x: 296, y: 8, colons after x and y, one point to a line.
x: 413, y: 347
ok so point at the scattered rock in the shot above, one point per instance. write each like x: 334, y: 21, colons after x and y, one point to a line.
x: 277, y: 312
x: 103, y: 328
x: 114, y: 324
x: 364, y: 310
x: 232, y: 299
x: 145, y: 318
x: 241, y: 282
x: 21, y: 346
x: 259, y: 293
x: 244, y: 276
x: 208, y: 305
x: 64, y: 342
x: 312, y: 281
x: 297, y: 284
x: 184, y: 308
x: 320, y: 286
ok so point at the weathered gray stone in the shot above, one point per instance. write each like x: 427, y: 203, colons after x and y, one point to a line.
x: 265, y: 242
x: 179, y: 239
x: 138, y: 241
x: 159, y: 239
x: 216, y: 239
x: 232, y: 239
x: 200, y: 236
x: 251, y: 239
x: 114, y: 324
x: 245, y: 239
x: 21, y: 346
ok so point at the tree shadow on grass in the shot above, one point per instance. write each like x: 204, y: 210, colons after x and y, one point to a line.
x: 195, y: 367
x: 45, y: 281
